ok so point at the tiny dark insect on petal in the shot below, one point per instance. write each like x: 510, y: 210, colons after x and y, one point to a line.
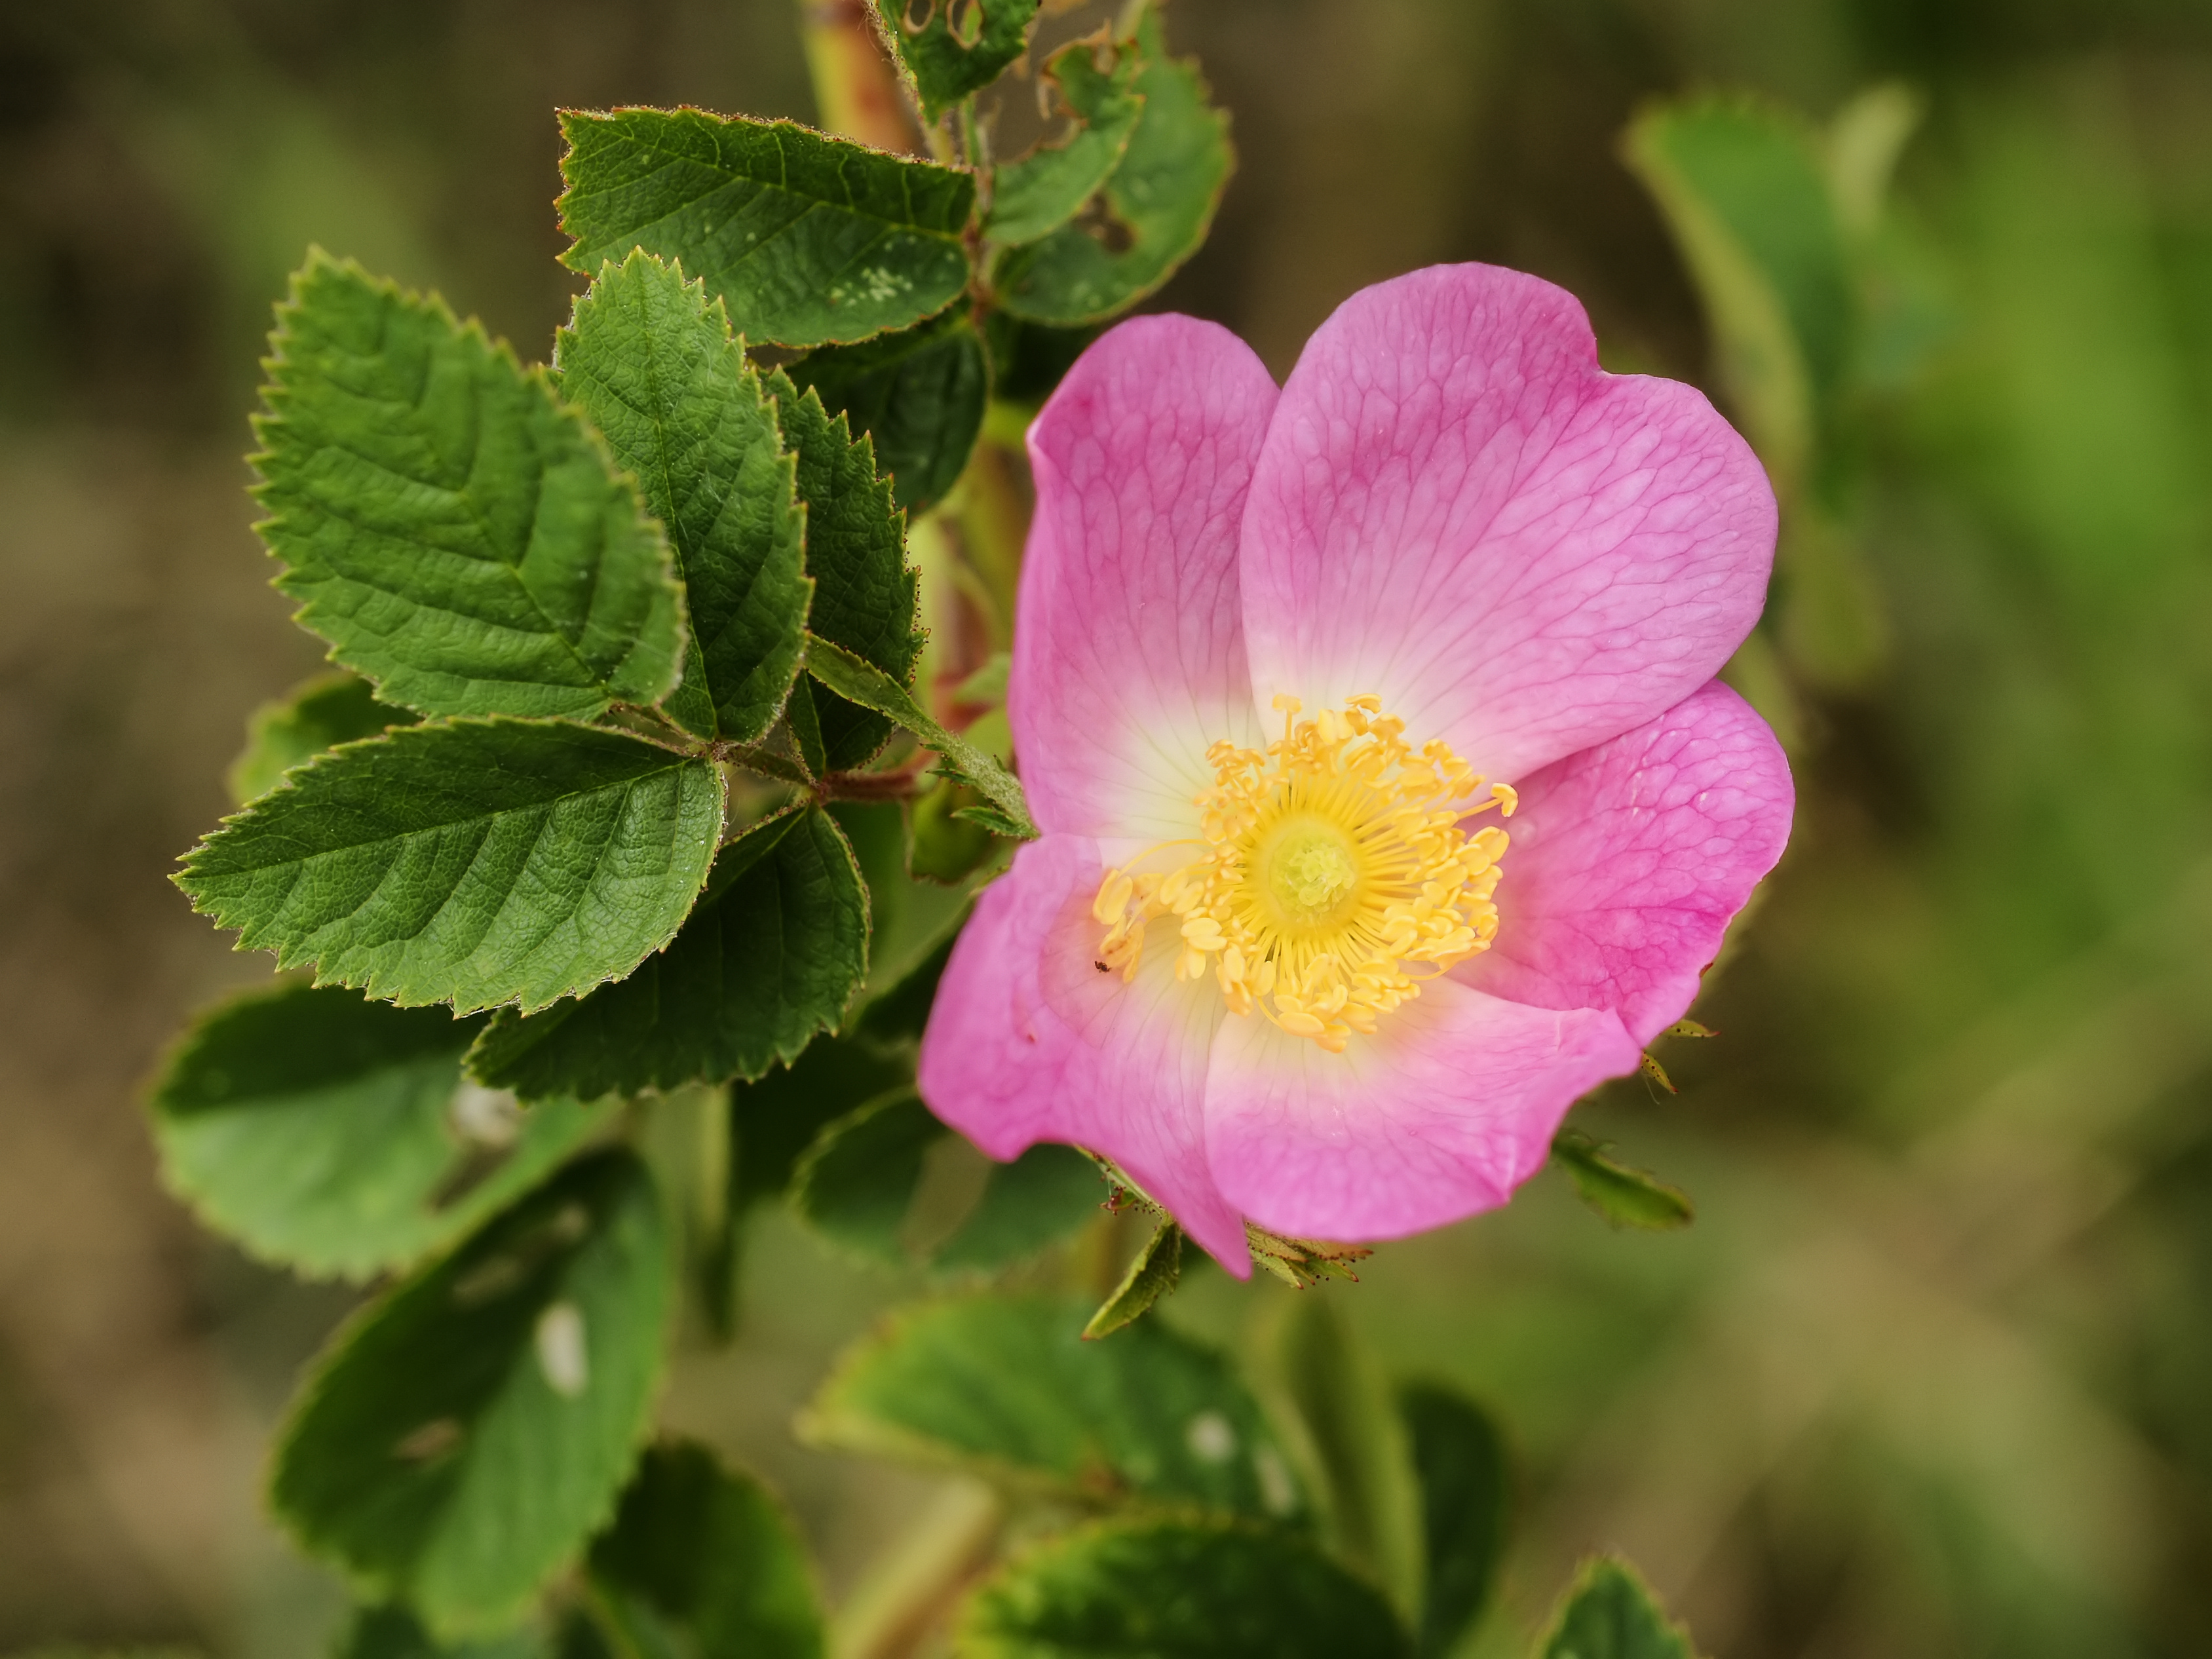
x: 1100, y: 966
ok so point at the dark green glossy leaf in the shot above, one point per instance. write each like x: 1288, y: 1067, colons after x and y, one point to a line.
x: 1460, y: 1462
x: 1153, y: 1274
x: 702, y: 1563
x: 857, y: 1182
x: 917, y: 395
x: 861, y: 683
x: 1177, y: 1589
x: 1609, y: 1612
x: 1006, y: 1385
x: 1028, y: 360
x: 475, y: 862
x: 772, y: 954
x: 1626, y: 1197
x: 325, y: 711
x: 866, y: 599
x: 960, y: 46
x: 1035, y: 195
x: 391, y: 1631
x: 1152, y: 214
x: 337, y: 1136
x: 459, y: 1441
x: 809, y: 240
x: 457, y: 534
x: 652, y: 361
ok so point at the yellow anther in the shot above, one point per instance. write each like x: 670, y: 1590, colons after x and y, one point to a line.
x: 1334, y: 875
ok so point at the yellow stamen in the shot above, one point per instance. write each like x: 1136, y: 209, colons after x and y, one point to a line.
x: 1335, y: 866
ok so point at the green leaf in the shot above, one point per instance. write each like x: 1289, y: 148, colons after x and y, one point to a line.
x: 1177, y: 1589
x: 1028, y: 360
x: 1153, y: 1274
x: 1626, y: 1197
x: 1007, y: 809
x: 457, y: 534
x: 912, y: 923
x: 475, y: 862
x: 771, y: 955
x: 918, y: 396
x: 702, y: 1563
x: 1358, y: 1446
x: 1152, y: 214
x: 1035, y: 195
x: 321, y: 714
x: 960, y: 47
x: 866, y: 599
x: 809, y: 240
x: 1007, y: 1385
x: 652, y: 361
x: 857, y: 1182
x: 391, y: 1631
x: 337, y: 1136
x: 1040, y: 1198
x: 1609, y: 1612
x: 1460, y: 1462
x: 460, y: 1439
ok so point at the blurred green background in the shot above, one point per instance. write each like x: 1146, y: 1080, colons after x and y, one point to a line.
x: 1932, y: 1375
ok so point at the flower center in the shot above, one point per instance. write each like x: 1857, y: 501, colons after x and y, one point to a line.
x: 1336, y: 874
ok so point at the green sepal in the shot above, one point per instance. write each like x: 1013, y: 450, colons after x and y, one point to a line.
x: 809, y: 240
x: 317, y: 715
x: 961, y: 46
x: 1152, y: 214
x: 1609, y: 1612
x: 772, y: 954
x: 866, y: 600
x: 918, y: 396
x: 337, y: 1136
x: 1154, y: 1274
x: 460, y: 1439
x: 1007, y: 1387
x: 1036, y: 194
x: 652, y: 361
x: 858, y: 682
x: 1625, y: 1196
x: 1459, y: 1460
x: 456, y: 533
x: 1177, y: 1589
x: 474, y: 862
x: 702, y: 1563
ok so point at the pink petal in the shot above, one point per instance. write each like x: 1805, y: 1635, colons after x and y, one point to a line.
x: 1629, y: 858
x: 1128, y: 653
x: 1028, y: 1041
x: 1448, y: 1108
x: 1457, y: 509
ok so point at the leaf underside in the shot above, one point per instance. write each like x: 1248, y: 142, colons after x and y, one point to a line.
x: 458, y: 535
x: 474, y: 862
x: 321, y: 714
x: 808, y: 239
x: 653, y: 362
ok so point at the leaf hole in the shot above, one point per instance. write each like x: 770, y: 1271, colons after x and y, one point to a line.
x: 1104, y: 226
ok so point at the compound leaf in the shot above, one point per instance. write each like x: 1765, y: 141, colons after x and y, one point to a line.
x: 1459, y: 1460
x: 960, y: 46
x: 1152, y: 214
x: 809, y: 240
x: 337, y: 1136
x: 321, y: 714
x: 1626, y: 1197
x: 866, y: 599
x: 652, y: 361
x: 459, y: 1441
x: 918, y: 396
x: 475, y: 862
x: 457, y: 533
x: 1006, y: 1385
x: 770, y: 957
x: 1178, y: 1590
x: 1035, y: 195
x: 702, y: 1563
x: 1609, y: 1612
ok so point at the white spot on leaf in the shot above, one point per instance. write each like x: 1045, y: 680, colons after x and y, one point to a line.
x: 1277, y: 1491
x: 561, y: 1353
x: 1211, y: 1439
x: 485, y: 1117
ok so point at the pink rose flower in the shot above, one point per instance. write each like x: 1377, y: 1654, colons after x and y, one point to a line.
x: 1389, y: 802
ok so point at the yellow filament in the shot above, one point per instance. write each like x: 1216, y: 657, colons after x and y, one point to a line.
x: 1335, y: 864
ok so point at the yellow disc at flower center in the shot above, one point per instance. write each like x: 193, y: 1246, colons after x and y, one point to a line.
x: 1308, y: 868
x: 1337, y: 873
